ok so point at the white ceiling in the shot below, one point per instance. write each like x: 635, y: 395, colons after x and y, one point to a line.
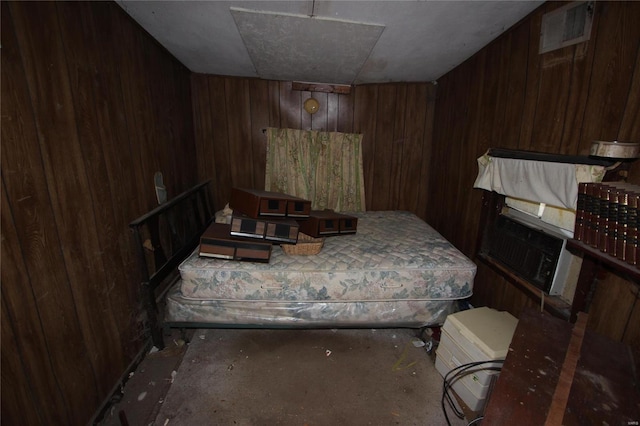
x: 326, y: 41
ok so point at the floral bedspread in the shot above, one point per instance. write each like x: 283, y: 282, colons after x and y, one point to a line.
x: 393, y: 256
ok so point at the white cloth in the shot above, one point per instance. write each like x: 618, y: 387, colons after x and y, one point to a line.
x: 546, y: 182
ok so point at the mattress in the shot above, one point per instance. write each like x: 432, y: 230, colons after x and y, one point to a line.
x: 395, y: 270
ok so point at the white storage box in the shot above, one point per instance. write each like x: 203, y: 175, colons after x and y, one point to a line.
x: 480, y: 334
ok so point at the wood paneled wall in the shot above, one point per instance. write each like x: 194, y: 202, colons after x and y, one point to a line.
x: 396, y: 121
x: 92, y: 107
x: 509, y: 96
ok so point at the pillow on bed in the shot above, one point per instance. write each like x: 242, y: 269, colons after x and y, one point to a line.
x: 224, y: 215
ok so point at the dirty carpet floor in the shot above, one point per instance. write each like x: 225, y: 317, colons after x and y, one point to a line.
x: 304, y: 377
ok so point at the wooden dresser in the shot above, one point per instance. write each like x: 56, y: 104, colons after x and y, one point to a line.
x: 548, y: 356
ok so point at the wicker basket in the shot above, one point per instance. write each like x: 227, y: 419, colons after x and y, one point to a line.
x: 306, y: 245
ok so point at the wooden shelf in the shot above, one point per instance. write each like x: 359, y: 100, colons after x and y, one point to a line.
x: 625, y: 269
x: 593, y: 260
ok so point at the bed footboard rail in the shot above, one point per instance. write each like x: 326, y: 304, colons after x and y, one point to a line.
x: 164, y: 237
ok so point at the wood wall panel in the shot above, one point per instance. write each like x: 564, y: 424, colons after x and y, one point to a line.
x: 495, y: 121
x: 383, y: 152
x: 81, y: 62
x: 345, y: 113
x: 612, y: 306
x: 274, y: 102
x: 532, y: 70
x: 615, y: 57
x: 578, y: 96
x: 398, y: 142
x: 553, y: 92
x: 72, y: 204
x: 631, y: 334
x: 446, y: 154
x: 19, y: 311
x: 395, y: 120
x: 29, y: 199
x: 515, y: 73
x: 364, y: 122
x: 290, y: 107
x: 113, y: 141
x: 407, y: 175
x: 92, y: 108
x: 220, y: 133
x: 203, y: 131
x: 259, y: 92
x: 19, y: 405
x: 333, y: 104
x: 423, y: 204
x: 134, y: 107
x: 319, y: 120
x: 630, y: 123
x: 474, y: 135
x: 238, y: 122
x: 557, y: 102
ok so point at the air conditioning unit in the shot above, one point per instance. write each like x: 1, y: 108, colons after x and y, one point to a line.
x: 532, y: 249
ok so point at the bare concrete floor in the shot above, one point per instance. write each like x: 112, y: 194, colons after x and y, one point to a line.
x: 286, y: 377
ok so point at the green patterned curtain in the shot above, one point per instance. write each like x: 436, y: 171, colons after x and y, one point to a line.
x: 323, y: 167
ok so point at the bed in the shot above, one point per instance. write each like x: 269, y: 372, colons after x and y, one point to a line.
x: 396, y: 271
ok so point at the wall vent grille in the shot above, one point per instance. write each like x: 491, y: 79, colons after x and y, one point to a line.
x: 570, y: 24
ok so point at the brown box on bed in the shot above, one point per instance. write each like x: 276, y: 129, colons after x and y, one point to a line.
x: 327, y: 222
x: 218, y: 242
x: 257, y: 203
x: 275, y: 229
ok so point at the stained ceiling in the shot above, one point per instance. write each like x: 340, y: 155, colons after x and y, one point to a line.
x: 326, y: 41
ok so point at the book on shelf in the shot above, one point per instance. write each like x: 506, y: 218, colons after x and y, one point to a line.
x: 607, y: 216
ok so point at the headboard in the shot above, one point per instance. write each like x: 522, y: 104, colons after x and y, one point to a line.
x: 164, y: 237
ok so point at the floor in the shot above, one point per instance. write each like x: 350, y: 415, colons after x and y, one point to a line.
x: 155, y: 394
x: 139, y: 402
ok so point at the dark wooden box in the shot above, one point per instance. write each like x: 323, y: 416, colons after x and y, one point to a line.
x: 327, y: 222
x: 275, y: 229
x: 257, y: 203
x: 218, y: 242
